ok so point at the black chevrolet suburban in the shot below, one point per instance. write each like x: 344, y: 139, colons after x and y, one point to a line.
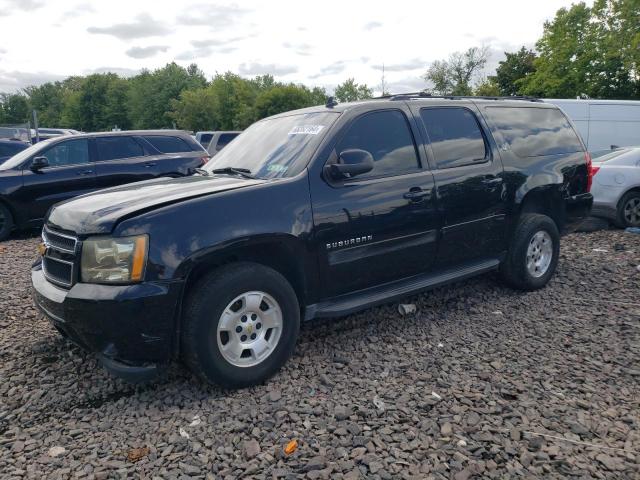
x: 312, y: 213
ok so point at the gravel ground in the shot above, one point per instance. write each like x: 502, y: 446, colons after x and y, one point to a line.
x: 482, y: 381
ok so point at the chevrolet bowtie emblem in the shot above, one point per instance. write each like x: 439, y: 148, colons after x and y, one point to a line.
x: 42, y: 248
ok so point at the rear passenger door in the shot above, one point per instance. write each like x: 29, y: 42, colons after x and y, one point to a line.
x: 174, y: 155
x: 122, y: 159
x: 470, y: 187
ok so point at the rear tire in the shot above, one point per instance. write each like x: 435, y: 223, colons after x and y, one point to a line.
x: 628, y: 214
x: 241, y: 324
x: 6, y: 222
x: 533, y: 254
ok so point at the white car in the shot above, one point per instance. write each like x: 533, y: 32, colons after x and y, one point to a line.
x: 616, y: 187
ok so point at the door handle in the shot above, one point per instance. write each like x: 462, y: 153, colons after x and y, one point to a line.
x: 86, y: 172
x: 492, y: 181
x: 149, y: 164
x: 417, y: 193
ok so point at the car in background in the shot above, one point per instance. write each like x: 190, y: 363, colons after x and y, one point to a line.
x: 15, y: 133
x: 67, y: 166
x: 616, y: 187
x: 604, y: 125
x: 204, y: 138
x: 220, y: 140
x: 47, y: 133
x: 8, y: 148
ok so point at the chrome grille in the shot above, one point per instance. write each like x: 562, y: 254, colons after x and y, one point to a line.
x: 58, y: 271
x: 60, y: 260
x: 60, y: 241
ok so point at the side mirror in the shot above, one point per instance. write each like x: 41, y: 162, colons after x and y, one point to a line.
x: 351, y: 162
x: 38, y: 163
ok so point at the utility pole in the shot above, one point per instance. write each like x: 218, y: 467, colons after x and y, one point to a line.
x: 384, y: 85
x: 35, y: 125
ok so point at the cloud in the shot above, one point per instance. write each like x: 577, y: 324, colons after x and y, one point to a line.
x: 78, y: 11
x: 372, y: 25
x: 14, y: 80
x: 146, y: 52
x: 406, y: 85
x: 415, y: 64
x: 123, y: 72
x: 143, y: 26
x: 303, y: 49
x: 254, y: 68
x: 8, y: 6
x: 215, y: 16
x: 334, y: 68
x: 217, y: 42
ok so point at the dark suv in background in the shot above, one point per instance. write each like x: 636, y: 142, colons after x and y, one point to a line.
x: 67, y: 166
x: 313, y: 213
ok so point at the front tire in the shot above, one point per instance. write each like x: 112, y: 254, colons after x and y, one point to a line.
x: 241, y: 324
x: 6, y: 222
x: 533, y: 254
x: 629, y: 210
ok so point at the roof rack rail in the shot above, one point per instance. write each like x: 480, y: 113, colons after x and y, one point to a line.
x: 408, y: 96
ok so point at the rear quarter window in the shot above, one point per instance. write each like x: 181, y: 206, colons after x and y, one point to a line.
x: 534, y: 132
x: 167, y: 144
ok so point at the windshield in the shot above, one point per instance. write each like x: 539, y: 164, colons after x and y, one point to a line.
x: 19, y: 158
x: 275, y: 147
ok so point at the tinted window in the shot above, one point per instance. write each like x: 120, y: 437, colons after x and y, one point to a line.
x: 532, y: 132
x: 206, y: 138
x: 455, y: 136
x: 71, y: 152
x: 110, y: 148
x: 224, y: 139
x: 7, y: 149
x: 167, y: 144
x: 387, y: 137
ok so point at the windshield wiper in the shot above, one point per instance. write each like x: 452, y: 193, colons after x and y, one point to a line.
x: 246, y: 173
x: 201, y: 171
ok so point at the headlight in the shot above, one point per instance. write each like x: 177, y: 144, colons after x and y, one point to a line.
x: 114, y: 260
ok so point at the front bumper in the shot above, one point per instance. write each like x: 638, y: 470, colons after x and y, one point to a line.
x: 130, y: 327
x: 578, y: 207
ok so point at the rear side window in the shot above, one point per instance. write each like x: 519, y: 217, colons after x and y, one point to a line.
x: 206, y: 137
x: 166, y: 144
x: 387, y: 137
x: 111, y: 148
x: 224, y: 139
x: 71, y: 152
x: 534, y: 132
x: 455, y: 136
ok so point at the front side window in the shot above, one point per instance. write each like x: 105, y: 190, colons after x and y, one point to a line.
x: 111, y: 148
x: 455, y: 136
x: 71, y: 152
x: 387, y: 137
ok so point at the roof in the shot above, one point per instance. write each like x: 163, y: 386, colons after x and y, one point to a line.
x: 132, y: 132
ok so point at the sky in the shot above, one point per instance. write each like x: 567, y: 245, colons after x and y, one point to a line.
x: 316, y: 43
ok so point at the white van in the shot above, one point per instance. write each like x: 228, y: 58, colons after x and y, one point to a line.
x: 603, y: 124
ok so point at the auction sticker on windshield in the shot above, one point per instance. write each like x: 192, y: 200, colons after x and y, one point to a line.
x: 306, y: 130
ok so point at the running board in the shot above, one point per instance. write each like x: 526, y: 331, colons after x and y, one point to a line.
x: 353, y: 302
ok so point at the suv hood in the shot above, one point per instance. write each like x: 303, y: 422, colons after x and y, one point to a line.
x: 100, y: 211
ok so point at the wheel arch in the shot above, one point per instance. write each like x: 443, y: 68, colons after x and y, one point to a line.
x: 546, y: 200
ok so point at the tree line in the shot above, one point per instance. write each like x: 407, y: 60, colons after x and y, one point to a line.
x: 592, y: 51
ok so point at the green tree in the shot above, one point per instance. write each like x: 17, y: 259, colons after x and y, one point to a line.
x: 48, y: 101
x: 15, y: 108
x: 511, y: 71
x: 281, y: 99
x: 350, y: 91
x: 195, y: 110
x: 151, y: 94
x: 455, y: 75
x: 487, y: 88
x: 594, y: 51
